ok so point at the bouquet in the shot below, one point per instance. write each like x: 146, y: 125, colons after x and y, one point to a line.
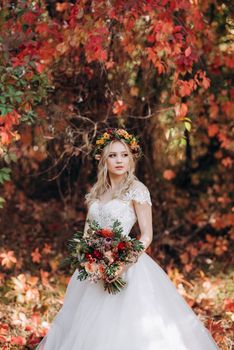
x: 100, y: 252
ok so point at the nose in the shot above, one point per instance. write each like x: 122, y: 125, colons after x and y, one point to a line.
x: 119, y: 159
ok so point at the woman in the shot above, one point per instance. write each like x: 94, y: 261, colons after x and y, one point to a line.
x: 149, y: 313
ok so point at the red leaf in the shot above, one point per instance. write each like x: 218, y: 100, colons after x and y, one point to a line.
x: 109, y: 64
x: 229, y: 304
x: 160, y: 67
x: 47, y: 249
x: 188, y: 51
x: 33, y: 340
x: 40, y: 67
x: 169, y: 174
x: 227, y: 162
x: 18, y: 340
x: 225, y: 142
x: 213, y: 130
x: 29, y: 17
x: 186, y: 87
x: 60, y: 7
x: 152, y: 55
x: 119, y: 107
x: 184, y: 257
x: 44, y: 277
x: 8, y: 259
x: 42, y: 28
x: 202, y: 80
x: 181, y: 109
x: 5, y: 137
x: 36, y: 256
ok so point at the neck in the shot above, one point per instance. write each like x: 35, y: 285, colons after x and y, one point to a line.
x: 115, y: 180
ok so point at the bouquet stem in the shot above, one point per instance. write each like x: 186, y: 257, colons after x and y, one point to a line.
x: 114, y: 287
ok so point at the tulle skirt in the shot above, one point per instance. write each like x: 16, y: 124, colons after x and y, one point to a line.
x: 148, y: 314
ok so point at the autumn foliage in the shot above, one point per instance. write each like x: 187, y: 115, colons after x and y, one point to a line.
x: 161, y: 68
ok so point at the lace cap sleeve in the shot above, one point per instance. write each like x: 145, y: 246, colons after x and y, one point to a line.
x: 139, y: 193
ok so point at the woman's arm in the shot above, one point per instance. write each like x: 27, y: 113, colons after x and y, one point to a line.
x: 144, y: 217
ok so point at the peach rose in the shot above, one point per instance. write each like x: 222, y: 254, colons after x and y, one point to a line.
x: 90, y: 267
x: 101, y: 269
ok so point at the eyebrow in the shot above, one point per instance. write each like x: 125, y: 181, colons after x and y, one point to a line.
x: 117, y: 152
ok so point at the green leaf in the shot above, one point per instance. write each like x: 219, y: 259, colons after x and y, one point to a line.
x: 183, y: 142
x: 7, y: 158
x: 5, y: 170
x: 18, y: 99
x: 187, y: 126
x: 2, y: 201
x: 13, y: 157
x: 5, y: 109
x: 4, y: 174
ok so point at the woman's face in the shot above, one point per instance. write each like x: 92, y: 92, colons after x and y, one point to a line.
x: 118, y: 159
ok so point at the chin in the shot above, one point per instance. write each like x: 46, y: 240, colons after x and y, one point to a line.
x: 120, y: 172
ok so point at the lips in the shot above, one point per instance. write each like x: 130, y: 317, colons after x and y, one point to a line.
x: 119, y: 167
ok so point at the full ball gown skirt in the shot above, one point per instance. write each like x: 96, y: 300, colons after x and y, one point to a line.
x: 148, y: 314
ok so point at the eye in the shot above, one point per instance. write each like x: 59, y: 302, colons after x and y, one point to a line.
x: 112, y: 155
x: 125, y: 155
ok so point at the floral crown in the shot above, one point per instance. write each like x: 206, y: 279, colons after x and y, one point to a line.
x: 116, y: 134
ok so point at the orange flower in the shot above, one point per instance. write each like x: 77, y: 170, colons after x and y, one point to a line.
x: 100, y: 141
x: 106, y: 136
x: 133, y: 144
x: 106, y: 232
x: 123, y: 133
x: 101, y: 269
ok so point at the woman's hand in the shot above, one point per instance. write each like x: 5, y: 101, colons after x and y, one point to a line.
x: 122, y: 269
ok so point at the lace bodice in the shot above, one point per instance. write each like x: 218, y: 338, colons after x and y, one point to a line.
x: 106, y: 213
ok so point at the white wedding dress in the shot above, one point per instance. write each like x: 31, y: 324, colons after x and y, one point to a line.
x: 148, y: 314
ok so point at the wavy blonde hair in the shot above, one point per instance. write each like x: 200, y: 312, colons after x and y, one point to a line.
x: 103, y: 181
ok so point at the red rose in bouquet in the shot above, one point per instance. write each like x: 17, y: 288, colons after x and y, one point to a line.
x: 89, y: 257
x: 121, y: 246
x: 97, y: 254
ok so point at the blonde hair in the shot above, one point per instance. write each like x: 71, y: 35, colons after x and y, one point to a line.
x: 103, y: 181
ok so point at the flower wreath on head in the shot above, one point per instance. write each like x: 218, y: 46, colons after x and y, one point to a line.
x: 112, y: 134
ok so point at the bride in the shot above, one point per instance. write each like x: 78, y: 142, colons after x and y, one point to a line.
x: 149, y: 313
